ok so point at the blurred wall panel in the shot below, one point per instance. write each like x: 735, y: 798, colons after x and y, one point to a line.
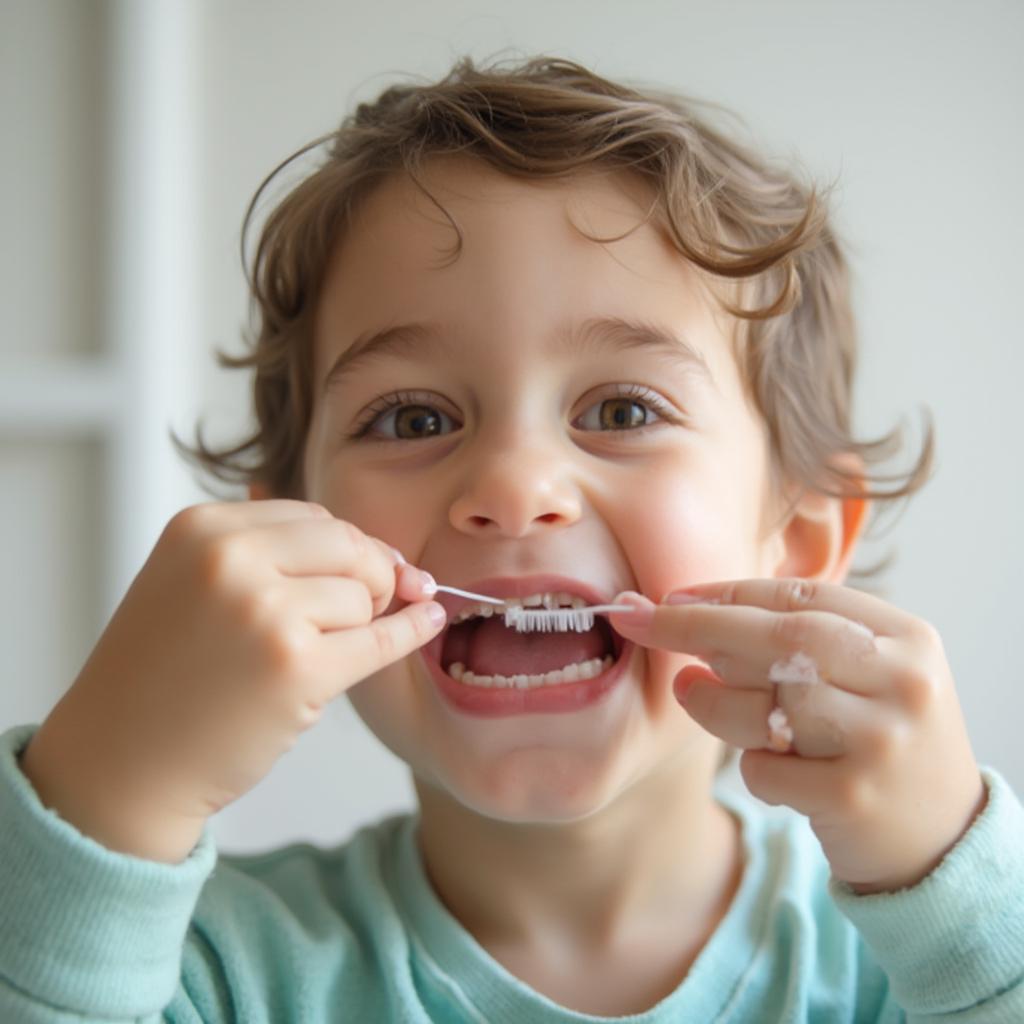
x: 53, y: 127
x: 50, y: 602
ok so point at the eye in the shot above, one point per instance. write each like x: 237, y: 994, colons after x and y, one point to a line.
x: 406, y: 414
x: 628, y: 409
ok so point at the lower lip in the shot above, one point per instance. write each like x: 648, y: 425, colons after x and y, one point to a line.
x: 491, y: 702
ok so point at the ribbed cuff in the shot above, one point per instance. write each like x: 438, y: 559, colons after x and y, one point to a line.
x: 956, y: 939
x: 84, y: 928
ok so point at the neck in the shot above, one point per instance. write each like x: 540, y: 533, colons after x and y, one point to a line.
x: 663, y: 855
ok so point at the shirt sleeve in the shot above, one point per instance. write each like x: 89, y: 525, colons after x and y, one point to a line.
x: 953, y: 945
x: 87, y: 933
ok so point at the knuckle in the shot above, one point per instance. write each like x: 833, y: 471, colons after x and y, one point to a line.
x: 354, y: 537
x: 929, y: 636
x: 220, y: 559
x: 917, y: 688
x: 859, y: 641
x: 260, y: 607
x: 190, y: 522
x: 879, y: 744
x: 286, y: 648
x: 385, y: 643
x: 794, y: 594
x: 791, y: 630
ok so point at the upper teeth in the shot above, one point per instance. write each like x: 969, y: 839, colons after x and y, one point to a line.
x: 559, y: 600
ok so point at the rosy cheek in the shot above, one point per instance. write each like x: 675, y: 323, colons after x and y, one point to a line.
x: 678, y: 530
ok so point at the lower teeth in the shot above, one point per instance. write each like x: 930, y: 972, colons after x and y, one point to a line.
x: 570, y: 674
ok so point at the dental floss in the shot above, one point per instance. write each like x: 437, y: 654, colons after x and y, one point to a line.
x: 470, y: 594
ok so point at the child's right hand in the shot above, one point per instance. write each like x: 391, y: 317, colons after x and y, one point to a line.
x: 245, y: 621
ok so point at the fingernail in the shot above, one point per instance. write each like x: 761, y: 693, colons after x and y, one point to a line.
x: 641, y: 611
x: 399, y: 557
x: 436, y: 613
x: 429, y: 584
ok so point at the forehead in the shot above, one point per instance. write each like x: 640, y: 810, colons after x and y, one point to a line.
x: 526, y: 265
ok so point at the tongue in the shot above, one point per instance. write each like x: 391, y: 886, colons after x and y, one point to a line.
x: 494, y: 649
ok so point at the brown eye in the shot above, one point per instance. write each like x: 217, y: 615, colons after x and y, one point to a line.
x: 631, y: 410
x: 622, y: 413
x: 403, y: 417
x: 414, y: 421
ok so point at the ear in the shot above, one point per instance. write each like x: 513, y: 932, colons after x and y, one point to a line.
x: 821, y: 536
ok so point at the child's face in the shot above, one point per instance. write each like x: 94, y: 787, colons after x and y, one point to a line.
x: 532, y: 458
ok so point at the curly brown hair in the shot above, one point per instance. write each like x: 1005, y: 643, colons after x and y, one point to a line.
x: 750, y: 225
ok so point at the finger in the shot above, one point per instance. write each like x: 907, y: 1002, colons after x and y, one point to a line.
x: 820, y: 717
x: 361, y: 651
x: 739, y: 717
x: 331, y: 547
x: 768, y: 647
x: 412, y: 584
x: 810, y: 786
x: 795, y: 595
x: 328, y: 602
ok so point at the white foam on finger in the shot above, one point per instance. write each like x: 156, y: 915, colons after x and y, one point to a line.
x: 780, y: 732
x: 800, y: 668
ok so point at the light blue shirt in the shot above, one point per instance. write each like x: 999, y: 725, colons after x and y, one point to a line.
x: 356, y: 933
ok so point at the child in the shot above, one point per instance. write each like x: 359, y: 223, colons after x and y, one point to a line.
x: 543, y: 335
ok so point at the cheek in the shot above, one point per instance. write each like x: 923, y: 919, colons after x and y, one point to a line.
x: 682, y: 528
x: 373, y: 507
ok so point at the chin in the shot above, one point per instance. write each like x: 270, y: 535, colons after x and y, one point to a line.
x: 534, y: 787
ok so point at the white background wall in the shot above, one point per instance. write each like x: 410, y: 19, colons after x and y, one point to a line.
x: 134, y: 133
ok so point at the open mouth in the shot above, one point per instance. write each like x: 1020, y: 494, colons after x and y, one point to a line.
x: 482, y: 651
x: 487, y: 668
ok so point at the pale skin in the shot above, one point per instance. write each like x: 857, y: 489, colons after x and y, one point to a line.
x: 583, y: 849
x: 244, y: 622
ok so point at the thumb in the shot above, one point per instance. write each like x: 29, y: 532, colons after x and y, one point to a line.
x: 635, y: 624
x: 363, y: 650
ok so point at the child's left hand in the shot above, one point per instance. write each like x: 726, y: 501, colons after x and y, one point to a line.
x: 880, y: 761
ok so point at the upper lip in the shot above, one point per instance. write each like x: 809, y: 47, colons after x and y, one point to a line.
x: 521, y: 586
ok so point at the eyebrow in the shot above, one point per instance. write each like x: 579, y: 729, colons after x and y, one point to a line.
x: 597, y: 334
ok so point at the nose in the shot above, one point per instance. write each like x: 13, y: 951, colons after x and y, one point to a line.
x: 515, y: 491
